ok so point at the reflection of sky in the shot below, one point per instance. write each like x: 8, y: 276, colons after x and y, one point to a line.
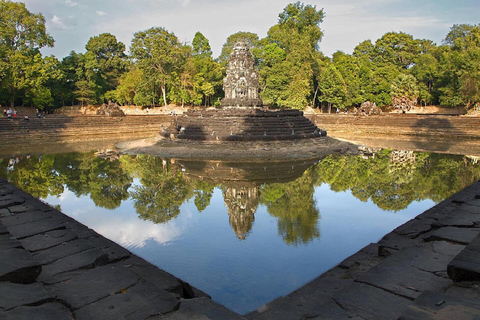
x: 202, y: 249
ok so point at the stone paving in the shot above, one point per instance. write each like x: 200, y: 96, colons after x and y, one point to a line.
x: 53, y: 267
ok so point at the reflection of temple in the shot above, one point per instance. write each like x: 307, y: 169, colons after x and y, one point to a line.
x: 241, y: 203
x: 241, y: 183
x: 402, y: 156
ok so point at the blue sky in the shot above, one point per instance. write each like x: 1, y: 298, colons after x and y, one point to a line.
x: 346, y: 23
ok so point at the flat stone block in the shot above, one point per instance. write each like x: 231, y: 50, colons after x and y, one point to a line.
x: 5, y: 213
x: 82, y: 260
x: 369, y: 302
x: 9, y: 242
x: 453, y: 234
x: 433, y: 305
x: 465, y: 266
x: 62, y: 250
x: 25, y: 217
x: 114, y: 251
x: 93, y: 285
x: 18, y: 266
x: 15, y: 295
x: 161, y: 279
x: 45, y: 311
x: 47, y: 240
x: 36, y: 227
x: 208, y: 308
x: 138, y: 302
x: 415, y: 227
x: 403, y: 279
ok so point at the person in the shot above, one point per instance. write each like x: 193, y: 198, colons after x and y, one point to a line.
x: 4, y: 112
x: 26, y: 118
x: 15, y: 115
x: 9, y: 114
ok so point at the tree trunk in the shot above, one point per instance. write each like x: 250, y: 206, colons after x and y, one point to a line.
x: 164, y: 94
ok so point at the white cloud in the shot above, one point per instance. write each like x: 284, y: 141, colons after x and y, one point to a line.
x: 57, y: 22
x: 101, y: 13
x: 70, y: 3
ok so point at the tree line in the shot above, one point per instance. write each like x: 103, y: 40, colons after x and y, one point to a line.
x: 294, y: 73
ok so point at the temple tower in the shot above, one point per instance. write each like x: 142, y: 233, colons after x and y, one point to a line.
x: 241, y: 84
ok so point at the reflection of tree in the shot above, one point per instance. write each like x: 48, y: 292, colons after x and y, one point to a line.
x: 83, y: 174
x: 241, y: 202
x: 202, y: 194
x: 35, y: 175
x: 105, y: 181
x: 163, y: 190
x: 393, y: 180
x: 294, y: 206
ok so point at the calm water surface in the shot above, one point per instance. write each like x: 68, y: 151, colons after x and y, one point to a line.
x: 245, y: 233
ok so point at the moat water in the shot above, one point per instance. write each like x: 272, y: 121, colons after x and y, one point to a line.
x: 245, y: 233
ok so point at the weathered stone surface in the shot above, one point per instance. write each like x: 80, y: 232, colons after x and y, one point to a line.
x: 62, y: 250
x: 453, y: 234
x: 4, y: 212
x: 161, y: 279
x: 93, y: 285
x: 330, y: 310
x: 465, y: 289
x: 47, y: 240
x: 137, y: 302
x: 466, y: 265
x: 45, y: 311
x: 26, y: 217
x: 403, y: 279
x: 207, y: 307
x: 9, y: 242
x: 82, y: 260
x: 425, y: 257
x: 82, y: 231
x: 367, y: 253
x: 15, y: 295
x: 35, y: 227
x: 114, y: 251
x: 458, y: 218
x: 394, y: 241
x: 18, y: 266
x: 414, y: 227
x: 371, y: 303
x: 433, y: 305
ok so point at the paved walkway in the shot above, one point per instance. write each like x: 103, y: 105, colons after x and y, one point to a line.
x: 53, y: 267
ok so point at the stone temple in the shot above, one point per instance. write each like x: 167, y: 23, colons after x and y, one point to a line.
x: 242, y: 116
x: 241, y: 84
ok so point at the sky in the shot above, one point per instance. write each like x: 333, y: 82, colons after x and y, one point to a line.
x: 346, y: 22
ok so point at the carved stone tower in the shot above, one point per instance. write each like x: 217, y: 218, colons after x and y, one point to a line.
x: 241, y: 83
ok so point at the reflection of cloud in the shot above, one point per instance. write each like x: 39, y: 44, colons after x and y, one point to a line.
x: 70, y: 3
x: 135, y: 233
x: 101, y: 13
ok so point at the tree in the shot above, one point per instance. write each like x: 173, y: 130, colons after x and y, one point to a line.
x: 105, y: 62
x: 249, y: 38
x: 160, y: 56
x: 297, y: 33
x: 22, y: 35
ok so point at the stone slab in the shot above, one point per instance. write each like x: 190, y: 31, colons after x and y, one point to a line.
x: 47, y: 240
x: 137, y: 302
x: 15, y: 295
x: 82, y: 260
x: 25, y: 217
x: 415, y: 227
x: 45, y: 311
x: 36, y: 227
x: 114, y: 251
x: 368, y: 302
x: 465, y: 266
x: 453, y: 234
x: 161, y: 279
x: 433, y: 305
x: 206, y: 307
x: 18, y: 266
x: 402, y: 279
x: 62, y: 250
x: 9, y: 242
x: 4, y: 212
x: 93, y: 285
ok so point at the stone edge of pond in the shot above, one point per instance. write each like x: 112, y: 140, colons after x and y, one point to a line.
x: 54, y: 267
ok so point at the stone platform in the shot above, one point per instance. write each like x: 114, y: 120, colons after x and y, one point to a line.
x: 53, y: 267
x: 242, y: 124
